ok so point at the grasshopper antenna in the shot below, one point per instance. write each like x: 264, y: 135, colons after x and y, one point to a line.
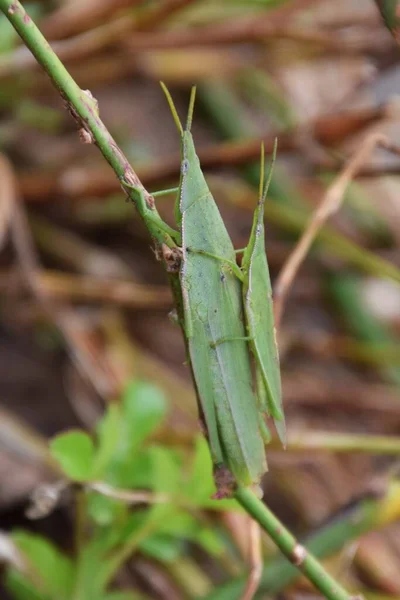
x: 262, y: 171
x: 270, y: 171
x: 191, y: 108
x: 172, y: 108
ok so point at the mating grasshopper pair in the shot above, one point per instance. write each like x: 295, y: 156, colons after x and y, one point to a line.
x: 226, y: 310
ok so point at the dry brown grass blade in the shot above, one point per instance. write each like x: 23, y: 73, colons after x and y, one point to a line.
x: 255, y: 560
x: 74, y: 17
x: 245, y: 31
x: 246, y: 534
x: 20, y: 234
x: 76, y: 288
x: 84, y: 182
x: 92, y: 40
x: 7, y: 195
x: 330, y: 204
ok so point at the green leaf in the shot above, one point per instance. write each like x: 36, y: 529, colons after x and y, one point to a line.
x: 209, y: 540
x: 144, y: 408
x: 183, y: 526
x: 179, y: 523
x: 164, y: 548
x: 129, y: 473
x: 89, y: 581
x: 105, y: 510
x: 74, y: 451
x: 54, y: 569
x: 200, y: 484
x: 165, y: 470
x: 20, y: 588
x: 108, y: 431
x: 133, y: 524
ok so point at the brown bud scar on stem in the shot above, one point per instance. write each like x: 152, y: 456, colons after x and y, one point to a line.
x: 85, y: 136
x: 172, y: 258
x: 298, y: 555
x: 225, y: 482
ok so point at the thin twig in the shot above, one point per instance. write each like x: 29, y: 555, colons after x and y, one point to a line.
x: 46, y: 497
x: 330, y: 204
x: 127, y: 496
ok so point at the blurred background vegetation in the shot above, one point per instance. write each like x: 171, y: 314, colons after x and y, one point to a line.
x: 88, y: 344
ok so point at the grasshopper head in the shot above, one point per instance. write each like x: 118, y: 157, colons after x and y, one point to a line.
x: 174, y: 112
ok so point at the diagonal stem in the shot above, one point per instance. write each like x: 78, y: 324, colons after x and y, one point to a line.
x: 290, y: 547
x: 83, y: 107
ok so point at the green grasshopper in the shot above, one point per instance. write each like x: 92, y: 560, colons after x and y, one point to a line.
x: 257, y: 299
x: 212, y: 307
x: 258, y: 308
x: 213, y: 295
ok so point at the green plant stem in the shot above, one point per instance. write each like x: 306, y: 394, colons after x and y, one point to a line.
x: 376, y: 509
x: 83, y: 107
x: 290, y: 547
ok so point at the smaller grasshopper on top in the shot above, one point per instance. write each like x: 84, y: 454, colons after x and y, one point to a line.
x: 257, y: 298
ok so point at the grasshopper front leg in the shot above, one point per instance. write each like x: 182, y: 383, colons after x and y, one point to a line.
x: 160, y: 230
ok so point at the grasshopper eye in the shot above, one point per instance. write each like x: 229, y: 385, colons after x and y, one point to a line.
x: 185, y: 166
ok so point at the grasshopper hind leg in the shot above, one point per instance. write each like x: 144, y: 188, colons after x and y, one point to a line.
x: 264, y: 430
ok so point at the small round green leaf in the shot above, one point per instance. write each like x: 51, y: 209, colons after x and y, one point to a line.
x: 74, y: 451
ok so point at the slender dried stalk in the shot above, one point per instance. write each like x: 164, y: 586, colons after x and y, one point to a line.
x: 330, y: 204
x: 77, y: 288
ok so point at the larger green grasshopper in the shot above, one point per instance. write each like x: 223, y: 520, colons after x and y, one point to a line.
x: 212, y: 306
x: 225, y: 309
